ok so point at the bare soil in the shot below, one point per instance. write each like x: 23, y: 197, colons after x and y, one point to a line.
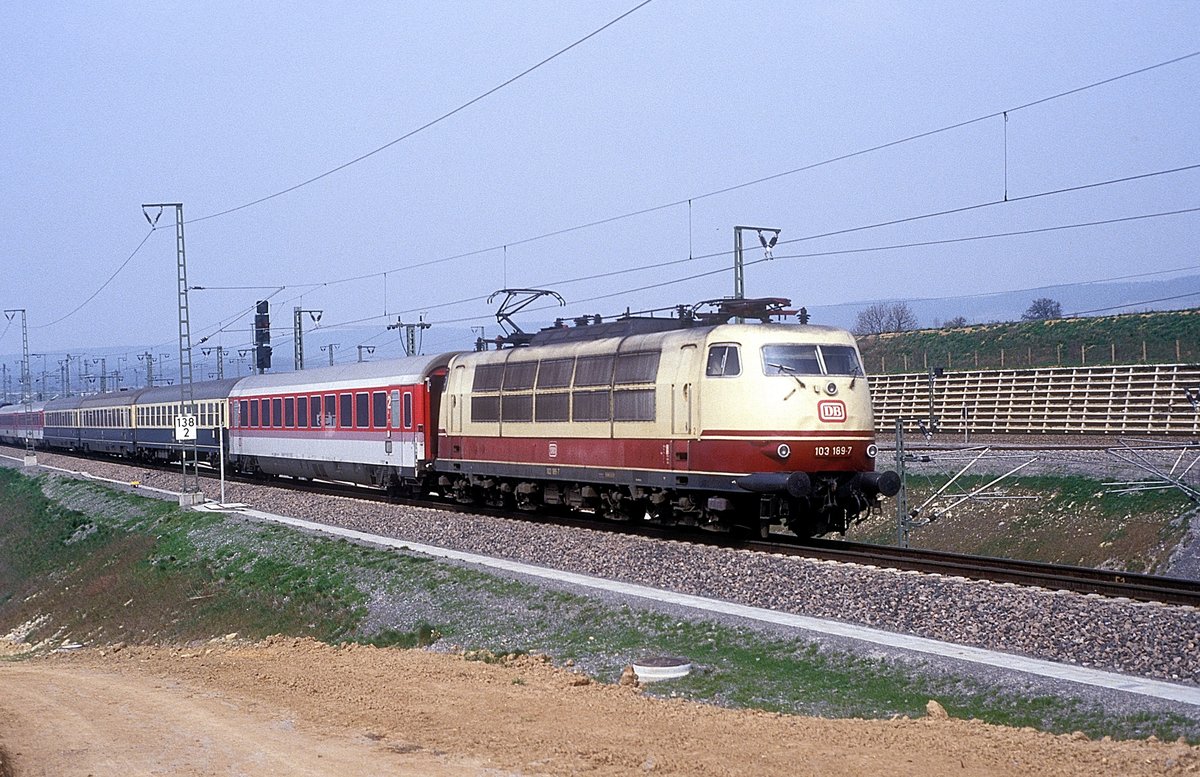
x: 289, y: 706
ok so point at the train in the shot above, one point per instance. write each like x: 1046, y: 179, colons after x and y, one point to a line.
x: 697, y: 419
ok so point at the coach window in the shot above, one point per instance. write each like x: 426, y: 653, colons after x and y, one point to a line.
x: 243, y: 413
x: 302, y: 412
x: 277, y: 412
x: 723, y: 361
x: 346, y: 411
x: 289, y: 413
x: 379, y: 409
x: 395, y: 400
x: 331, y: 410
x: 362, y: 410
x: 408, y: 413
x: 314, y: 412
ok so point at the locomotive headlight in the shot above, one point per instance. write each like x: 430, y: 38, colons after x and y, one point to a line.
x: 831, y: 388
x: 872, y: 449
x: 784, y: 450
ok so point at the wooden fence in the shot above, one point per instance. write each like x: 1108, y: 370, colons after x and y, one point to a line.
x: 1114, y: 399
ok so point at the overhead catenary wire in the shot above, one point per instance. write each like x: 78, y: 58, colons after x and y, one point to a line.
x: 840, y: 232
x: 430, y: 123
x: 772, y: 177
x: 643, y: 211
x: 103, y: 286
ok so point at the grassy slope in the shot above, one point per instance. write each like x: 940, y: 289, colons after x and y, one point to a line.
x: 1046, y: 343
x: 129, y: 569
x: 1062, y: 520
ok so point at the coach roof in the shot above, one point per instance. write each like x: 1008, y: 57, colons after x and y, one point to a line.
x: 413, y: 369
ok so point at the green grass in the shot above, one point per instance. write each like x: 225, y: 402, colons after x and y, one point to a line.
x: 1072, y: 521
x: 148, y: 572
x: 1165, y: 337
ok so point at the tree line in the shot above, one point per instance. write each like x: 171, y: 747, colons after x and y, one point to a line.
x: 885, y: 317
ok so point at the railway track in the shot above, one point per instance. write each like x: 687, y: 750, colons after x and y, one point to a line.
x: 1082, y: 580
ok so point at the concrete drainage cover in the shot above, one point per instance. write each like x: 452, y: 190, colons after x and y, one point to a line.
x: 655, y: 668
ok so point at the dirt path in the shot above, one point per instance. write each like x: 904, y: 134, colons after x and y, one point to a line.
x: 298, y: 707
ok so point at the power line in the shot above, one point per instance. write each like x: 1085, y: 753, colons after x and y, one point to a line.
x: 746, y: 184
x: 1134, y: 304
x: 846, y: 231
x: 720, y: 254
x: 676, y: 203
x: 428, y: 124
x: 979, y: 294
x: 803, y: 168
x: 103, y: 286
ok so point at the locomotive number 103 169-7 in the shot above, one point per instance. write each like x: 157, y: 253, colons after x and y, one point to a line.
x: 833, y: 451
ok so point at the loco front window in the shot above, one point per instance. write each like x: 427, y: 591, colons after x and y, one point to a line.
x: 794, y: 359
x: 840, y: 360
x: 790, y: 360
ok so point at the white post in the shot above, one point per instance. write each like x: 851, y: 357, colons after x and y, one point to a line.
x: 221, y: 453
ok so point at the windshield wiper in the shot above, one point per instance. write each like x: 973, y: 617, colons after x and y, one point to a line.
x: 790, y: 371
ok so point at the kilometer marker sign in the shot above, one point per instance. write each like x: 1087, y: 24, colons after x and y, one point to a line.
x: 185, y: 428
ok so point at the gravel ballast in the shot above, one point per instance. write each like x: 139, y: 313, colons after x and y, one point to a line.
x: 1145, y: 639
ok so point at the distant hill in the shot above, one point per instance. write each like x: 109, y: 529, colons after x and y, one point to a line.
x: 1154, y: 338
x: 1103, y: 298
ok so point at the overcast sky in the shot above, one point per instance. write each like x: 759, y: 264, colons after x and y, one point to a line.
x: 105, y: 105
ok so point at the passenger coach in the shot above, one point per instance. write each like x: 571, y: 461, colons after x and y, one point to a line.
x: 371, y: 422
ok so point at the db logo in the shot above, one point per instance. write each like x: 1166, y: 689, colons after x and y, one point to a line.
x: 831, y: 410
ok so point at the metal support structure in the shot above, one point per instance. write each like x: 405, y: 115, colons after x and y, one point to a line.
x: 148, y: 358
x: 368, y: 349
x: 902, y: 494
x: 908, y: 519
x: 190, y: 490
x: 220, y: 359
x: 331, y: 348
x: 739, y: 276
x: 410, y: 331
x: 26, y: 388
x: 298, y: 333
x: 103, y: 362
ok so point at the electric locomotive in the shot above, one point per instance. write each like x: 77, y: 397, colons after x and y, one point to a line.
x: 691, y: 419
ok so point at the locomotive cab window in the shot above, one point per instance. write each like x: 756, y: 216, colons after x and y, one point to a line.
x: 790, y: 359
x: 723, y: 361
x: 840, y: 360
